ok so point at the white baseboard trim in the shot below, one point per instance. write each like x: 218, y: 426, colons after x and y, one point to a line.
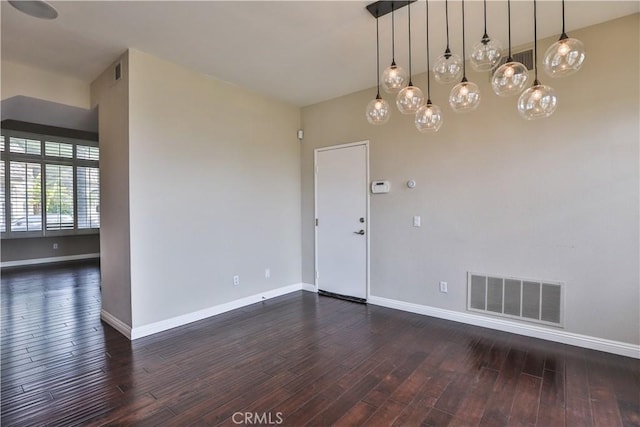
x: 37, y: 261
x: 163, y: 325
x: 556, y: 335
x: 116, y: 323
x: 309, y: 287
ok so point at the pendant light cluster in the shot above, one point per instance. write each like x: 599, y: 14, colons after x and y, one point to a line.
x: 394, y: 77
x: 448, y: 66
x: 486, y: 54
x: 410, y: 98
x: 563, y: 58
x: 429, y: 116
x: 465, y: 96
x: 539, y: 100
x: 511, y: 77
x: 378, y: 111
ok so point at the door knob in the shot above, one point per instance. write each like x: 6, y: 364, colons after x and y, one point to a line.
x: 361, y: 232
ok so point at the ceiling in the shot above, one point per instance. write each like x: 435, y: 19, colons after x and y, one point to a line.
x: 300, y: 52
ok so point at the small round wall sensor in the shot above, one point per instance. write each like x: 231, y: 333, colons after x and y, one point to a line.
x: 411, y: 184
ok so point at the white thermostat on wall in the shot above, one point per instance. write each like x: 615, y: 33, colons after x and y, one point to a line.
x: 378, y: 187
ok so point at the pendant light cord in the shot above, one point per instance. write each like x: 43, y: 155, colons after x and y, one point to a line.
x: 377, y: 55
x: 447, y: 51
x: 535, y: 44
x: 464, y: 57
x: 509, y: 59
x: 564, y: 34
x: 393, y: 35
x: 428, y: 64
x: 485, y: 37
x: 409, y: 12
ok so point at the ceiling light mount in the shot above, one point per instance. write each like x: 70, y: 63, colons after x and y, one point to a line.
x: 381, y: 8
x: 35, y: 8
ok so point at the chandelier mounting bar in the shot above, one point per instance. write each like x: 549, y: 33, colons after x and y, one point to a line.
x: 381, y: 8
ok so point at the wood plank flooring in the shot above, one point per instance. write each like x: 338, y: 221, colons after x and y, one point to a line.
x: 300, y: 359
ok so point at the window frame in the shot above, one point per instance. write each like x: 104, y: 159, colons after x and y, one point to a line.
x: 43, y: 160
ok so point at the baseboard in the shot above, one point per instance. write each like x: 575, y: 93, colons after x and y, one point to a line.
x: 116, y: 323
x: 163, y: 325
x: 309, y: 287
x: 556, y: 335
x: 37, y: 261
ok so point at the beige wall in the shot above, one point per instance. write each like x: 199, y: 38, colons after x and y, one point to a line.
x: 38, y: 248
x: 214, y: 179
x: 21, y: 79
x: 112, y: 99
x: 553, y: 199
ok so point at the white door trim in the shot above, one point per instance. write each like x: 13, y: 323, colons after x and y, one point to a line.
x: 364, y: 143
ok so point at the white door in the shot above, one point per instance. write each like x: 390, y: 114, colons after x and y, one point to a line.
x: 342, y: 220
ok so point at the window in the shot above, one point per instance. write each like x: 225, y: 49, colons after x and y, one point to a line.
x: 59, y: 200
x: 88, y: 185
x: 3, y: 216
x: 58, y: 149
x: 49, y: 185
x: 26, y: 146
x: 26, y: 196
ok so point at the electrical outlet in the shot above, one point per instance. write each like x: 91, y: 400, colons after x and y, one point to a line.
x: 236, y: 280
x: 417, y: 221
x: 55, y: 246
x: 267, y: 273
x: 443, y: 287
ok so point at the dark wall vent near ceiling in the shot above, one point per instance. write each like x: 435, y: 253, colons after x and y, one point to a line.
x: 118, y: 71
x: 525, y: 58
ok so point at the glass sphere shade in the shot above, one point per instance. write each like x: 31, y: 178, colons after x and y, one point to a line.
x: 409, y: 100
x: 509, y: 79
x: 564, y: 57
x: 448, y: 68
x: 486, y: 54
x: 537, y: 102
x: 465, y: 96
x: 394, y: 78
x: 378, y: 111
x: 428, y: 118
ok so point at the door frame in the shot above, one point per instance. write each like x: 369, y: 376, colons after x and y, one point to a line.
x: 364, y: 143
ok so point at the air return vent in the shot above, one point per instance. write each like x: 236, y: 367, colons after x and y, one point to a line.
x: 525, y: 58
x: 117, y: 72
x: 539, y: 301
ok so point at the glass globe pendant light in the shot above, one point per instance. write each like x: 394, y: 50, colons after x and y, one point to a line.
x: 486, y: 54
x: 394, y: 77
x: 410, y: 98
x: 448, y: 66
x: 378, y: 111
x: 429, y: 116
x: 565, y: 56
x: 539, y: 101
x: 465, y: 96
x: 511, y: 77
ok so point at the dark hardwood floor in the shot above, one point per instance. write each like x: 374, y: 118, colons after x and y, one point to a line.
x: 298, y: 360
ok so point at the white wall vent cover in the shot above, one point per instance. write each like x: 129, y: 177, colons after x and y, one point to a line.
x: 538, y: 301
